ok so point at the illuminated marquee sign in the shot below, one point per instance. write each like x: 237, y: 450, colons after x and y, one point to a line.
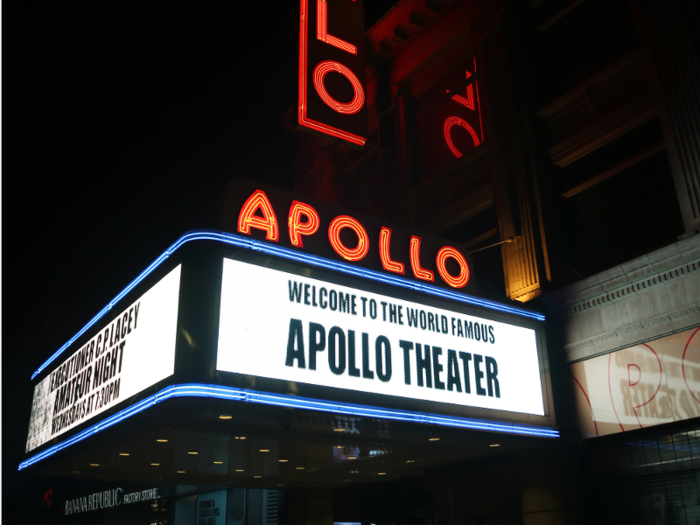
x: 332, y: 98
x: 318, y: 228
x: 289, y: 327
x: 133, y: 352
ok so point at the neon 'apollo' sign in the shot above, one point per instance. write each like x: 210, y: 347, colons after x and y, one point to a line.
x: 303, y: 220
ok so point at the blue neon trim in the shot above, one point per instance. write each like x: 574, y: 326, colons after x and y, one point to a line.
x: 305, y: 258
x: 289, y: 401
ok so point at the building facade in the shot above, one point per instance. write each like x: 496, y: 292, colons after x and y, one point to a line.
x: 558, y: 143
x: 553, y: 147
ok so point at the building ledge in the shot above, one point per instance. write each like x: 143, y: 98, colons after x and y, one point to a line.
x: 648, y: 297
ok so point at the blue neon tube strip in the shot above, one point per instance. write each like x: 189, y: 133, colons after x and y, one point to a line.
x: 301, y: 257
x: 289, y: 401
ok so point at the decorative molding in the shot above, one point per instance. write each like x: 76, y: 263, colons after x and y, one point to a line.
x: 667, y: 318
x: 623, y: 292
x: 514, y: 194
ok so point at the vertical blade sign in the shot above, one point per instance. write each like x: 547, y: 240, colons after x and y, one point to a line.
x: 332, y: 94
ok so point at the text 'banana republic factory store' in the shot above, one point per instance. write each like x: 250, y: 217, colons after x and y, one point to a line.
x: 479, y: 305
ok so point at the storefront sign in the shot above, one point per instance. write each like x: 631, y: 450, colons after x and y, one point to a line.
x: 289, y: 327
x: 133, y: 352
x: 332, y: 92
x: 106, y: 499
x: 211, y: 508
x: 642, y: 386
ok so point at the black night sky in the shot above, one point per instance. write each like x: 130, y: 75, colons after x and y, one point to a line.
x: 122, y: 126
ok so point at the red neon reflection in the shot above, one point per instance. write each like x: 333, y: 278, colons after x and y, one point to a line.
x: 298, y: 228
x: 418, y: 271
x: 384, y: 253
x: 301, y: 110
x: 346, y: 108
x: 456, y: 121
x: 354, y: 254
x: 322, y: 29
x: 455, y: 282
x: 268, y: 222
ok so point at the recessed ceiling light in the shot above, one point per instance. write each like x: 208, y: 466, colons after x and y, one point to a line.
x: 123, y: 453
x: 338, y: 430
x: 239, y: 470
x: 495, y: 445
x: 354, y: 472
x: 218, y: 462
x: 242, y: 437
x: 301, y: 468
x: 352, y: 457
x: 155, y: 464
x: 280, y: 484
x: 434, y: 439
x: 257, y: 476
x: 381, y: 473
x: 283, y: 460
x: 264, y: 450
x: 409, y: 461
x: 339, y: 446
x: 225, y: 416
x: 193, y: 453
x: 162, y: 440
x: 180, y: 471
x: 94, y: 464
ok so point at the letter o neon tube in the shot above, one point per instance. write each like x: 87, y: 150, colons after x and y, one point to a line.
x: 447, y: 127
x: 354, y: 254
x: 455, y: 282
x: 346, y: 108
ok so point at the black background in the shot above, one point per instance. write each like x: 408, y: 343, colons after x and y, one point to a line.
x: 122, y: 125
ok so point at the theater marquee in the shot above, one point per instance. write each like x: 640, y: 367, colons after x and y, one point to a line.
x: 284, y: 326
x: 317, y: 310
x: 133, y: 352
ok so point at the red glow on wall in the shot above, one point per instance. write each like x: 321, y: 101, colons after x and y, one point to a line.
x: 455, y: 282
x: 298, y: 228
x: 351, y: 254
x: 303, y: 103
x: 385, y: 254
x: 419, y: 271
x: 346, y: 108
x: 267, y: 222
x: 322, y: 29
x: 447, y: 130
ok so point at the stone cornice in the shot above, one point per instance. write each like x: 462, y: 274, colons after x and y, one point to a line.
x: 640, y: 275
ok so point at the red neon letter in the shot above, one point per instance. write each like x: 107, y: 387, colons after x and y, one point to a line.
x: 469, y: 101
x: 384, y: 254
x: 419, y: 272
x: 268, y: 222
x: 298, y: 228
x: 322, y: 29
x: 355, y: 254
x: 302, y: 106
x: 346, y: 108
x: 455, y: 282
x: 456, y: 121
